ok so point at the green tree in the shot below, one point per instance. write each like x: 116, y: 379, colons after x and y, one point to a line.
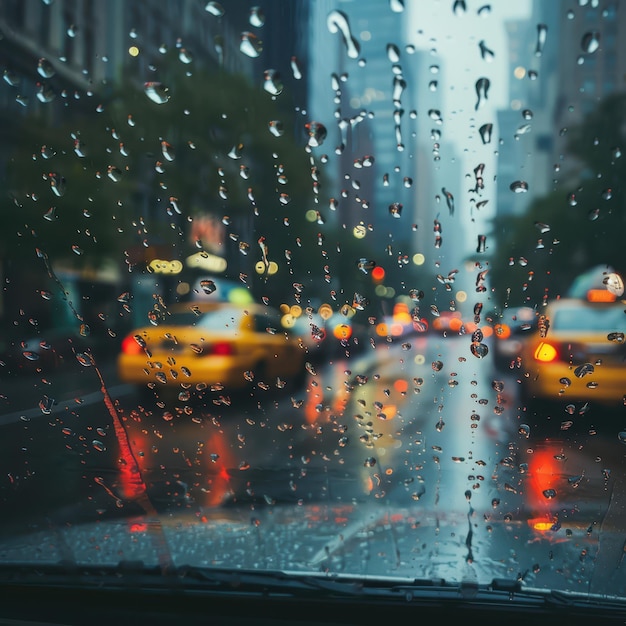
x: 565, y: 233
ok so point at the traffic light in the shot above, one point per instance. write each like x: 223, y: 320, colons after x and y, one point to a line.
x: 378, y: 275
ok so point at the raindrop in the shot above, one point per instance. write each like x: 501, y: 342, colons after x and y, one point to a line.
x: 57, y: 184
x: 436, y: 366
x: 370, y: 462
x: 366, y: 265
x: 276, y: 128
x: 316, y: 132
x: 208, y: 286
x: 84, y: 359
x: 614, y: 284
x: 215, y: 9
x: 98, y: 445
x: 393, y: 53
x: 114, y: 173
x: 395, y: 209
x: 616, y: 337
x: 524, y: 429
x: 168, y: 151
x: 397, y: 6
x: 295, y: 68
x: 519, y: 186
x: 566, y: 382
x: 250, y: 45
x: 184, y: 56
x: 157, y: 92
x: 542, y: 32
x: 337, y: 21
x: 272, y: 82
x: 257, y: 17
x: 50, y: 215
x: 482, y: 90
x: 45, y: 69
x: 487, y: 54
x: 459, y: 7
x: 549, y: 494
x: 485, y: 133
x: 590, y: 42
x: 479, y: 350
x: 584, y: 370
x: 449, y: 200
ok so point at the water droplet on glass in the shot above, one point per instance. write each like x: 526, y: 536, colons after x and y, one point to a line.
x: 482, y: 91
x: 614, y: 284
x: 250, y: 45
x: 519, y: 186
x: 542, y: 32
x: 479, y: 350
x: 208, y: 286
x: 157, y: 92
x: 272, y: 82
x: 397, y: 6
x: 316, y: 133
x: 98, y: 445
x: 485, y: 133
x: 487, y: 54
x: 459, y: 7
x: 524, y: 430
x: 590, y: 42
x: 395, y: 209
x: 337, y: 22
x: 584, y: 370
x: 276, y: 128
x: 370, y: 462
x: 393, y: 53
x: 257, y: 17
x: 616, y: 337
x: 566, y: 382
x: 57, y: 184
x: 45, y: 68
x: 549, y: 494
x: 295, y: 68
x: 215, y: 9
x: 436, y: 366
x: 114, y: 173
x: 168, y: 151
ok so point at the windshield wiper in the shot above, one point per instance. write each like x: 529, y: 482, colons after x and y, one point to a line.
x: 135, y: 575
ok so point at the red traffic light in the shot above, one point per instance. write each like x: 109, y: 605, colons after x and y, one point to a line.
x: 378, y: 274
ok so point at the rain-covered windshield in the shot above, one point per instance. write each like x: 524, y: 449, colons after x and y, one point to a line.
x: 393, y: 194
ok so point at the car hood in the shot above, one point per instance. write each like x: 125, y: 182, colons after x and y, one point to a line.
x: 358, y: 540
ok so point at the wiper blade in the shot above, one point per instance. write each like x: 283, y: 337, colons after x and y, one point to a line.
x: 135, y: 575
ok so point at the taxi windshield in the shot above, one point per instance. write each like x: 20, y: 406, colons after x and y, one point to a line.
x: 590, y: 319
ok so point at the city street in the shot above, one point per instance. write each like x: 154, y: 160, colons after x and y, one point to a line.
x: 394, y: 423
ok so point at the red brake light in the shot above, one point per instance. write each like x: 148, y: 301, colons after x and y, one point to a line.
x: 130, y: 346
x: 222, y: 348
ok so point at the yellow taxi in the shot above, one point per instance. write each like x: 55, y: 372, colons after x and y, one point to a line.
x: 219, y: 345
x: 577, y: 350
